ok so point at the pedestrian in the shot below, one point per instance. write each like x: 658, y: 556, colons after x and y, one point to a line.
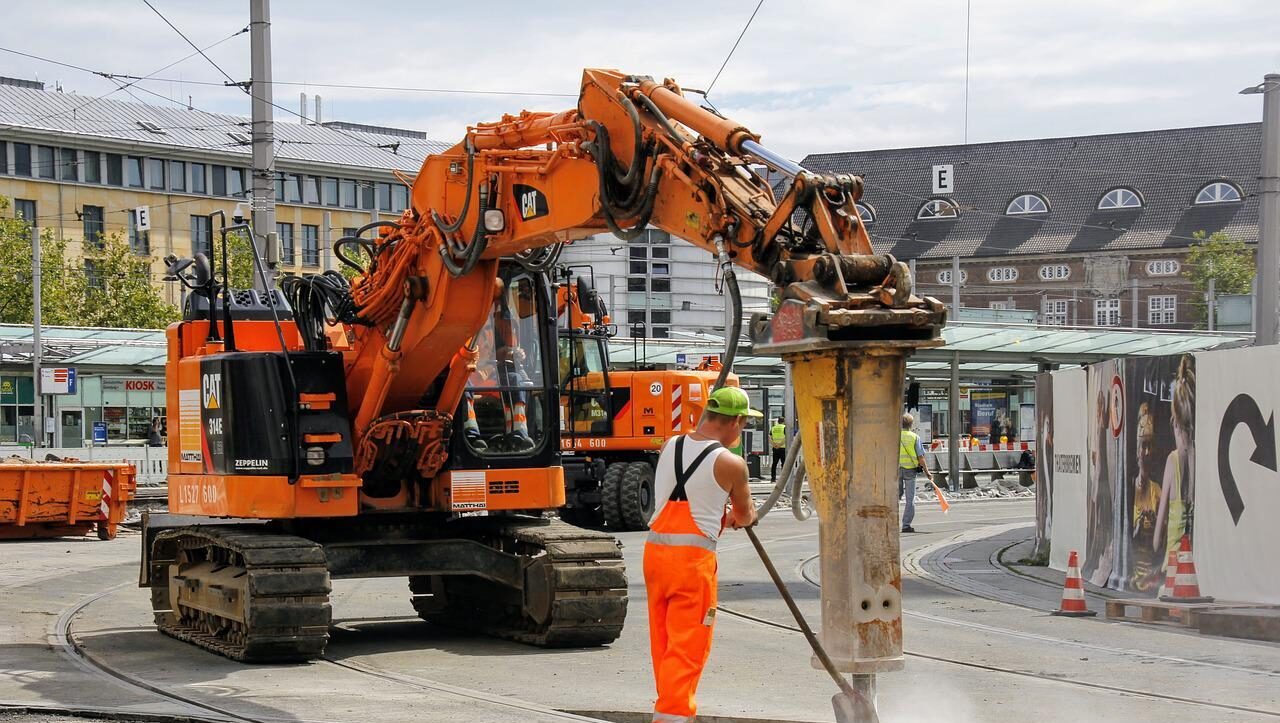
x: 154, y: 438
x: 694, y: 478
x: 778, y: 441
x: 910, y: 463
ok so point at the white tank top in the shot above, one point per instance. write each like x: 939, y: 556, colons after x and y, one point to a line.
x: 706, y: 497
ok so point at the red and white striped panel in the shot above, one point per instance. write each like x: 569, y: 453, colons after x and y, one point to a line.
x: 108, y: 489
x: 677, y: 391
x: 1001, y: 447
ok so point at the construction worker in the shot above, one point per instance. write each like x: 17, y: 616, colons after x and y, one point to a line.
x: 694, y: 478
x: 910, y: 463
x: 778, y: 442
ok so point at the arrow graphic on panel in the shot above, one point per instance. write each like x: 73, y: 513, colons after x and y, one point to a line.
x: 1244, y: 410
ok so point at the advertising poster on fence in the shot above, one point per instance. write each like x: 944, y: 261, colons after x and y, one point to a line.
x: 1235, y: 496
x: 1153, y: 463
x: 1043, y: 421
x: 1070, y: 455
x: 1102, y: 563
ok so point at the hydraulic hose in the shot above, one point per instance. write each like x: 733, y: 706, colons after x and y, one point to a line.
x: 473, y: 250
x: 735, y: 324
x: 797, y: 492
x: 788, y: 466
x: 652, y: 107
x: 448, y: 228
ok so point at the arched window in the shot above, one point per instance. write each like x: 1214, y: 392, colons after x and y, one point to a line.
x: 1217, y: 192
x: 1002, y: 274
x: 938, y: 208
x: 866, y: 213
x: 1055, y: 272
x: 1027, y: 203
x: 1119, y: 198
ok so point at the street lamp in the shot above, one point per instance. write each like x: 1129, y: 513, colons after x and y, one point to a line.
x: 1266, y: 312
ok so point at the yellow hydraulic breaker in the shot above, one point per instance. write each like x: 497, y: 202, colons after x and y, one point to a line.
x: 848, y: 356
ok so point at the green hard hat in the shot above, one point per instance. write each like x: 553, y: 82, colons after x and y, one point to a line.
x: 731, y: 402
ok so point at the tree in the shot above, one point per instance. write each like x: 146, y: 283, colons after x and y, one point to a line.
x: 239, y: 257
x: 118, y: 289
x: 1230, y: 263
x: 110, y: 286
x: 60, y: 286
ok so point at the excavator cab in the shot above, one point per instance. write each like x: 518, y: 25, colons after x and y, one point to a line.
x: 584, y: 384
x: 507, y: 416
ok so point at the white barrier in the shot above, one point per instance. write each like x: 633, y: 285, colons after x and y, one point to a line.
x: 1152, y: 449
x: 152, y: 463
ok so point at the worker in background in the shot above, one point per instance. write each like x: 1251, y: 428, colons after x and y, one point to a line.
x: 694, y: 478
x: 910, y: 463
x: 777, y: 441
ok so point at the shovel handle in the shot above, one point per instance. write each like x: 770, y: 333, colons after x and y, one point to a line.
x: 818, y: 650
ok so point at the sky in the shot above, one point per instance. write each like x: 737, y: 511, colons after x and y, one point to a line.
x: 809, y: 76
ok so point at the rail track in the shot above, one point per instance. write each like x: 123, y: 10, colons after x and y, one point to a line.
x: 808, y: 576
x: 202, y: 711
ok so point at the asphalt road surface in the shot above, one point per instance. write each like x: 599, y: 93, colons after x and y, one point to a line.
x: 986, y: 652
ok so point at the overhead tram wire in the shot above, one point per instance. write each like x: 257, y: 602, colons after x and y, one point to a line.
x: 184, y: 37
x: 110, y: 77
x: 247, y: 88
x: 712, y: 84
x: 384, y: 88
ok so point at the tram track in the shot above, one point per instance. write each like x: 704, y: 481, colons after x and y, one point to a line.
x: 202, y: 711
x: 805, y: 570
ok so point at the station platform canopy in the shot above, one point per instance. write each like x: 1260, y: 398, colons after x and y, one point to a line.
x: 141, y: 350
x: 983, y: 350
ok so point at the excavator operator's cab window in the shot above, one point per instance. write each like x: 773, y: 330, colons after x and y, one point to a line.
x: 584, y: 384
x: 505, y: 404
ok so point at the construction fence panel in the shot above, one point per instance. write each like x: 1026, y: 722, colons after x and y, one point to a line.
x: 152, y: 463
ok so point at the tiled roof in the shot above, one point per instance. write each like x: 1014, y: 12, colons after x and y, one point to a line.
x: 73, y: 114
x: 1166, y: 167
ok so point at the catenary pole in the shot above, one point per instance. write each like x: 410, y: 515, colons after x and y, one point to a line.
x: 36, y: 348
x: 1267, y: 311
x: 264, y: 167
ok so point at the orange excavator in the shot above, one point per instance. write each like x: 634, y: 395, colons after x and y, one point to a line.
x: 613, y: 423
x: 407, y: 425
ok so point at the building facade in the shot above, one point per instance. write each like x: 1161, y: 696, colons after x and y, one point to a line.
x: 83, y: 167
x: 659, y: 286
x: 1086, y: 230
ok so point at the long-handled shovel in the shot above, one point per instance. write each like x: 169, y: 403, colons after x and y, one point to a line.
x: 850, y: 705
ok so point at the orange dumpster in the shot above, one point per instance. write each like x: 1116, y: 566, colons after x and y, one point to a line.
x: 53, y: 499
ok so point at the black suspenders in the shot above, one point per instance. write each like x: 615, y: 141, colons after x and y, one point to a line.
x: 683, y: 475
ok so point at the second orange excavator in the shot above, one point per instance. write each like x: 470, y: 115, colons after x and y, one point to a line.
x: 614, y: 422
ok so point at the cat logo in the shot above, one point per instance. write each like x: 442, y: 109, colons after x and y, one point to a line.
x: 533, y: 203
x: 210, y: 385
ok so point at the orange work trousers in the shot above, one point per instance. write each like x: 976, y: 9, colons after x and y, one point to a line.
x: 680, y: 580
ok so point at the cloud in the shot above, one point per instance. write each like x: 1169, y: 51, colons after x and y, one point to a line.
x: 809, y: 76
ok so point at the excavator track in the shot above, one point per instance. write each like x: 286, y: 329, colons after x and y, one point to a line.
x: 246, y: 594
x: 575, y: 589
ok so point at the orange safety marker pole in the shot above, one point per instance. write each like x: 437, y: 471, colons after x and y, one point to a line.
x: 942, y: 501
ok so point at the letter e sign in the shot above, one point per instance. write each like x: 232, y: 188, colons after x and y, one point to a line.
x: 944, y: 179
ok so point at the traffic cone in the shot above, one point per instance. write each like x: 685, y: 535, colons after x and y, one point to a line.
x: 1073, y: 605
x: 1185, y: 587
x: 1170, y: 573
